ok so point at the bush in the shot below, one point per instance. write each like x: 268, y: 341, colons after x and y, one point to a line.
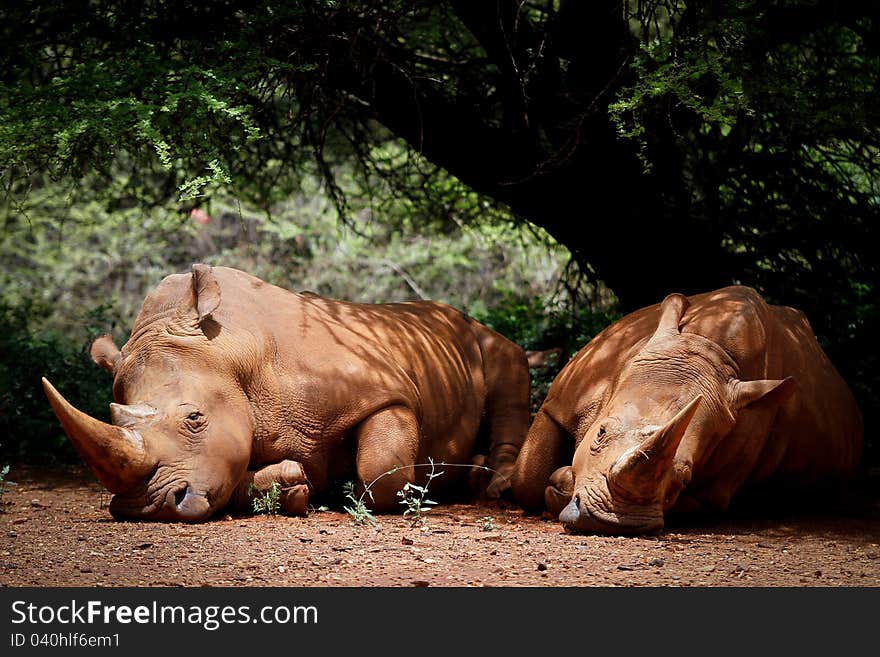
x: 27, y: 423
x: 535, y: 327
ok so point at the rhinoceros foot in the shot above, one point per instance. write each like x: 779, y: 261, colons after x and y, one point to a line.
x: 294, y: 498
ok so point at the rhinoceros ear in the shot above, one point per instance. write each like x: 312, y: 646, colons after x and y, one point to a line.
x: 206, y: 289
x: 105, y: 353
x: 671, y: 311
x: 746, y: 393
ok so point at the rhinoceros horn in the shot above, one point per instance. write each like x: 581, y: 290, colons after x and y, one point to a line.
x: 643, y: 467
x: 115, y: 454
x: 672, y: 310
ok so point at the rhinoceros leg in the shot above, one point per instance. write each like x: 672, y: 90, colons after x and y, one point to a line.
x: 387, y: 443
x: 540, y: 456
x: 294, y: 499
x: 558, y: 494
x: 480, y: 476
x: 507, y: 407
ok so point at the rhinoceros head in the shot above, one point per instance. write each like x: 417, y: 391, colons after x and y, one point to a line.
x: 180, y: 436
x: 677, y: 397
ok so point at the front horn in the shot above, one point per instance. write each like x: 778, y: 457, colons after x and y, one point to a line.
x: 643, y: 466
x: 115, y: 455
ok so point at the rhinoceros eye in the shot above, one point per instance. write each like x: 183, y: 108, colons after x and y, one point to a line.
x: 195, y: 422
x: 600, y: 439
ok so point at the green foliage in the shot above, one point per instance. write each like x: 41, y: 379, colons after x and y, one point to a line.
x: 360, y: 514
x: 536, y: 327
x: 268, y: 502
x: 414, y: 497
x: 4, y: 483
x: 27, y: 424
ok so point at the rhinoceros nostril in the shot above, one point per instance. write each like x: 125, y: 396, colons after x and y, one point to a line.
x: 571, y: 513
x: 180, y: 495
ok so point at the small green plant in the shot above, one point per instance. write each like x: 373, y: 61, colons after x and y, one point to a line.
x: 488, y: 524
x: 269, y: 502
x: 3, y: 482
x: 358, y: 510
x: 413, y: 497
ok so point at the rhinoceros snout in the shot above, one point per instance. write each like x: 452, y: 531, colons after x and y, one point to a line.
x: 191, y: 506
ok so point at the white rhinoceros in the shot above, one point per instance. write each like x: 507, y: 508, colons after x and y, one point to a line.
x: 678, y: 405
x: 228, y: 381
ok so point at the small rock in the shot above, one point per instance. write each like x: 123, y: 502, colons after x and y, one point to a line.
x: 281, y: 569
x: 303, y: 539
x: 542, y: 566
x: 818, y: 573
x: 406, y: 541
x: 85, y: 570
x: 493, y: 553
x: 623, y: 566
x: 420, y: 583
x: 707, y: 569
x: 657, y: 561
x: 19, y: 521
x: 142, y: 546
x: 13, y: 534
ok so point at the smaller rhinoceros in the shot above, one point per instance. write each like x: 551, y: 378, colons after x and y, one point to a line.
x: 678, y: 405
x: 228, y: 384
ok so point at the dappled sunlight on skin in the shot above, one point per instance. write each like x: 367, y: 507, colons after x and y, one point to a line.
x: 244, y: 375
x: 765, y: 404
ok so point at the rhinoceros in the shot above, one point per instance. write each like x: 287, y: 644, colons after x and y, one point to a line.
x: 229, y: 383
x: 678, y: 405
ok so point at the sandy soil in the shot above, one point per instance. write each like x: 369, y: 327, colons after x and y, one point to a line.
x: 55, y: 530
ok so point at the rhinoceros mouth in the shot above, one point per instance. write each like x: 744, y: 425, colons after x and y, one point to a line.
x: 590, y: 523
x: 585, y: 518
x: 150, y: 504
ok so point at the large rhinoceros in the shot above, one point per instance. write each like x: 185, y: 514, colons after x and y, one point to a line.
x: 228, y: 382
x: 678, y: 405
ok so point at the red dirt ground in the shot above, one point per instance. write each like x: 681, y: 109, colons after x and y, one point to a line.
x: 55, y: 530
